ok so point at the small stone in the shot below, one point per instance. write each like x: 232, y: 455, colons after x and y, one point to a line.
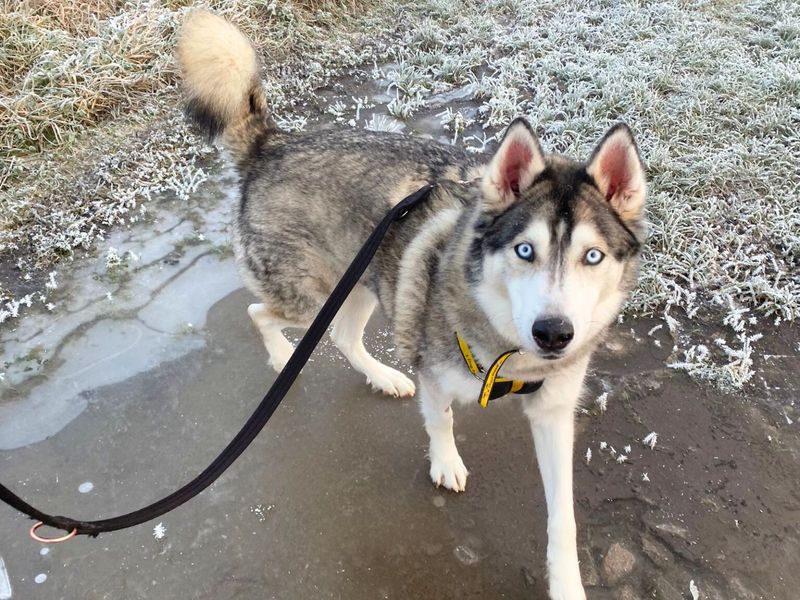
x: 466, y: 555
x: 617, y: 563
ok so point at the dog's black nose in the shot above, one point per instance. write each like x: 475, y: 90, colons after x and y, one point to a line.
x: 552, y: 333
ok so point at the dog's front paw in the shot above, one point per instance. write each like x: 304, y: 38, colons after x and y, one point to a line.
x: 449, y: 472
x: 391, y: 382
x: 565, y: 581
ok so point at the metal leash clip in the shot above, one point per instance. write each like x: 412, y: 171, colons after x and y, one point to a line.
x: 58, y: 540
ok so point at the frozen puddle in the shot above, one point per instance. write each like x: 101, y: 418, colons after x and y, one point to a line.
x: 114, y: 321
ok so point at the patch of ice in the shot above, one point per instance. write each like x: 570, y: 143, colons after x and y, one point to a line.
x: 5, y: 582
x: 466, y: 555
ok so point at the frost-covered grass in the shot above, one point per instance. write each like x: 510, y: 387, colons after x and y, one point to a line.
x: 711, y: 90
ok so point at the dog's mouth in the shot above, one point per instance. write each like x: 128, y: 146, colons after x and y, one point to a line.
x: 544, y: 355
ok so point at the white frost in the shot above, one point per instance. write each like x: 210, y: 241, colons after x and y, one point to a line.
x: 693, y: 590
x: 159, y: 531
x: 654, y: 329
x: 650, y: 439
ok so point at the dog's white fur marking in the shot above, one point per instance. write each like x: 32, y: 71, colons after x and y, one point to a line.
x: 271, y: 328
x: 348, y: 333
x: 513, y: 296
x: 447, y: 468
x: 529, y: 300
x: 492, y: 295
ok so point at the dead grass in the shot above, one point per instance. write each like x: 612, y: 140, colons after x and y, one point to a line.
x: 82, y: 80
x: 78, y: 18
x: 59, y: 80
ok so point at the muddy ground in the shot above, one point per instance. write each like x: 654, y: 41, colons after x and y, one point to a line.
x: 146, y: 369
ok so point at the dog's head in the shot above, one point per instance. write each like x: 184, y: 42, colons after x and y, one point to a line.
x: 556, y: 243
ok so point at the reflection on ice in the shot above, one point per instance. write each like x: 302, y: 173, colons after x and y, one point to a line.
x: 117, y: 323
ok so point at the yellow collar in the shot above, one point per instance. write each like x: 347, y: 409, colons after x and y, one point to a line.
x: 493, y: 386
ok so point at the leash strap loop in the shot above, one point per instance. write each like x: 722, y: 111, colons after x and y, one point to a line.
x: 262, y: 413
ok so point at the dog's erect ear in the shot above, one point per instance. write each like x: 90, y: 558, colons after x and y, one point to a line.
x: 618, y: 172
x: 518, y: 161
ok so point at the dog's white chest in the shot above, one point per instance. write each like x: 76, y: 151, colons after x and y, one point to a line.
x: 459, y: 384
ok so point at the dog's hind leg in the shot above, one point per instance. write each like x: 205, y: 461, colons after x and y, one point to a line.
x: 447, y: 468
x: 271, y: 328
x: 348, y: 333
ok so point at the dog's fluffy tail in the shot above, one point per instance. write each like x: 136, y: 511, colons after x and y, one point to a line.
x: 220, y: 74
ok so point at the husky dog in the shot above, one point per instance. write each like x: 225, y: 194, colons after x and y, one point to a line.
x: 522, y: 250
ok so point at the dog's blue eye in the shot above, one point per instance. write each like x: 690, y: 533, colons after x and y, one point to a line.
x: 594, y: 257
x: 524, y: 251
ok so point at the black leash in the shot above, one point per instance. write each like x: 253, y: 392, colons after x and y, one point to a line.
x: 262, y: 413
